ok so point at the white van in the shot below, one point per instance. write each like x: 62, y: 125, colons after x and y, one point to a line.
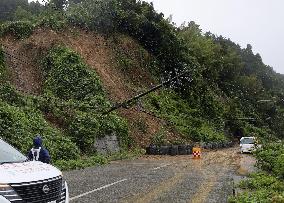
x: 23, y: 181
x: 248, y: 144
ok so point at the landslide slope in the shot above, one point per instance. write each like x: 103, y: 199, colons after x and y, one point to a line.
x: 120, y: 62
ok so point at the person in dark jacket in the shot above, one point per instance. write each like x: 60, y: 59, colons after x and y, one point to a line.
x: 38, y: 152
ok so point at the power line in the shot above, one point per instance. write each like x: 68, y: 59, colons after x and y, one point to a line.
x: 129, y: 101
x: 13, y: 56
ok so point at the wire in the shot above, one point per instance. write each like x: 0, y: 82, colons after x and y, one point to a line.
x: 13, y: 56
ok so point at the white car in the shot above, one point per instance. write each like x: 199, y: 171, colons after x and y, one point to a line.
x: 23, y: 181
x: 248, y: 144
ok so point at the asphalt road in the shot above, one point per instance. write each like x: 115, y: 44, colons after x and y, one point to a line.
x: 160, y: 179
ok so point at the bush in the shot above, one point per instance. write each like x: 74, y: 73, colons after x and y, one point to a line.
x: 20, y: 121
x: 22, y: 29
x: 67, y: 77
x: 262, y: 180
x: 270, y: 158
x: 262, y: 196
x: 53, y: 19
x: 265, y: 186
x: 80, y: 163
x: 92, y: 14
x: 2, y: 66
x: 19, y: 29
x: 84, y: 131
x: 260, y: 187
x: 160, y: 138
x: 187, y: 120
x: 208, y: 134
x: 279, y: 166
x: 11, y: 96
x: 18, y: 126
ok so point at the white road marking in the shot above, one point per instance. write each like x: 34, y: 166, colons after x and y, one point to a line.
x: 163, y: 166
x: 97, y: 189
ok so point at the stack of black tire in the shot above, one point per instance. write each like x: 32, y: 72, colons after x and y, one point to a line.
x: 174, y: 150
x: 169, y: 149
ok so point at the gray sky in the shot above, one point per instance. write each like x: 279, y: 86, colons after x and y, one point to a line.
x: 255, y: 22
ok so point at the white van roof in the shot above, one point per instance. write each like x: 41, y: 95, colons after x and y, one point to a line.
x: 247, y: 138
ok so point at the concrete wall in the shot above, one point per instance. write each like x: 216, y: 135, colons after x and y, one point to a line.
x: 107, y: 145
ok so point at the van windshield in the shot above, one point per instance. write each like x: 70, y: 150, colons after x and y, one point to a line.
x: 9, y: 154
x: 247, y: 141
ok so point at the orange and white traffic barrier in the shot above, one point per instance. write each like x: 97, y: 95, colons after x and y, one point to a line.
x: 196, y: 152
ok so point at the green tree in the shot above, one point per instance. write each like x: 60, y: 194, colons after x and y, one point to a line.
x: 58, y: 4
x: 203, y: 48
x: 8, y: 7
x: 22, y: 14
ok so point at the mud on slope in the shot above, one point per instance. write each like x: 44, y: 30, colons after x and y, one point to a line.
x: 102, y: 54
x: 23, y: 67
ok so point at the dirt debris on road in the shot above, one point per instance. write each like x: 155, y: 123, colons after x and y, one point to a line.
x: 164, y: 179
x: 211, y: 167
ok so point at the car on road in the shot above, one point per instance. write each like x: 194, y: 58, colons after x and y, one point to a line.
x: 24, y: 181
x: 248, y: 144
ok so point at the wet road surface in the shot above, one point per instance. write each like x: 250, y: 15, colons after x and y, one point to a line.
x: 164, y: 179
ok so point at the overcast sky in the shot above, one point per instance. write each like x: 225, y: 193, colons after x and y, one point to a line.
x: 255, y: 22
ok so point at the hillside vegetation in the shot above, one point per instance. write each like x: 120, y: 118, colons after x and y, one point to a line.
x: 65, y: 63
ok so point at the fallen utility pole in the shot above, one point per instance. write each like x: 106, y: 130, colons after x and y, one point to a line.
x: 127, y: 102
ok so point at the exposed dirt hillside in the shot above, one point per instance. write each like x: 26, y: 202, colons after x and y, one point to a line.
x: 100, y: 53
